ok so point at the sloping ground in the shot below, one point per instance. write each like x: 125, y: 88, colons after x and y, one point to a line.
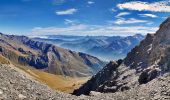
x: 157, y: 89
x: 14, y: 85
x: 145, y: 62
x: 58, y: 82
x: 47, y: 57
x: 3, y: 60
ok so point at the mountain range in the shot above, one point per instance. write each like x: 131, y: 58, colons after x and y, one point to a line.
x: 103, y: 47
x: 144, y: 74
x: 47, y: 57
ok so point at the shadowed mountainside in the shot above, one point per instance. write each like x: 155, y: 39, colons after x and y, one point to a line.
x: 47, y: 57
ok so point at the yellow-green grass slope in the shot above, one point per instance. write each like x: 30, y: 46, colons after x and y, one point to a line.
x: 57, y: 82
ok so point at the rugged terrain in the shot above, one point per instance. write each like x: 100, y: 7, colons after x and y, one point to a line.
x: 47, y: 57
x: 142, y: 75
x: 145, y: 62
x: 58, y: 82
x: 15, y: 84
x: 103, y: 47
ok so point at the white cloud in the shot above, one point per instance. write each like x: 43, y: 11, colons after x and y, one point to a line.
x: 90, y: 2
x: 122, y: 14
x: 94, y: 30
x: 129, y: 21
x: 148, y: 15
x: 67, y: 12
x: 161, y: 6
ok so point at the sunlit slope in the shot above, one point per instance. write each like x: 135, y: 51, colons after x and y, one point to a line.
x: 57, y: 82
x: 3, y: 60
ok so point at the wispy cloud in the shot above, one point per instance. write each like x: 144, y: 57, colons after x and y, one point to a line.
x: 94, y: 30
x: 67, y: 12
x: 58, y: 2
x: 59, y: 30
x: 148, y: 15
x: 90, y: 2
x: 122, y: 14
x: 129, y: 21
x: 71, y: 22
x: 161, y: 6
x: 112, y: 10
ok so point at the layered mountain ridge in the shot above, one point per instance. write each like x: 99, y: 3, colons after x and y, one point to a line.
x: 103, y: 47
x: 145, y: 62
x: 47, y: 57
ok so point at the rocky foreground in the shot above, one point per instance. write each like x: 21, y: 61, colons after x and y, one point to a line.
x: 16, y: 85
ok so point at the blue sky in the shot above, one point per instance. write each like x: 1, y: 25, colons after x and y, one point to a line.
x: 82, y: 17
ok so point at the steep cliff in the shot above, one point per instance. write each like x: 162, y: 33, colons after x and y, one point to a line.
x: 145, y: 62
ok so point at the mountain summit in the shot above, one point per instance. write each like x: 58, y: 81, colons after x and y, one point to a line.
x: 147, y: 61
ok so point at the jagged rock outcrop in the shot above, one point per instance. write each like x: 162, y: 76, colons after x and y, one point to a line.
x: 144, y: 63
x: 47, y: 57
x: 102, y: 81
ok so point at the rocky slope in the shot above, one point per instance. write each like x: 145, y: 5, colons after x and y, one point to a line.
x: 17, y: 85
x: 145, y: 62
x: 47, y: 57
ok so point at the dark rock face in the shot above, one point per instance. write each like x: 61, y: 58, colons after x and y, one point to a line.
x: 47, y: 57
x: 153, y: 51
x: 144, y: 63
x: 101, y: 82
x: 148, y: 75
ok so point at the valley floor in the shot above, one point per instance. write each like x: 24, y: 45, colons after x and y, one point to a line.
x: 58, y: 82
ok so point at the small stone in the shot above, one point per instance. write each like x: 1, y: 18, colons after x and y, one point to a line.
x: 21, y: 96
x: 1, y: 92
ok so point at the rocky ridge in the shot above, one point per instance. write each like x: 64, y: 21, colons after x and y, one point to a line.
x: 145, y: 62
x: 47, y: 57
